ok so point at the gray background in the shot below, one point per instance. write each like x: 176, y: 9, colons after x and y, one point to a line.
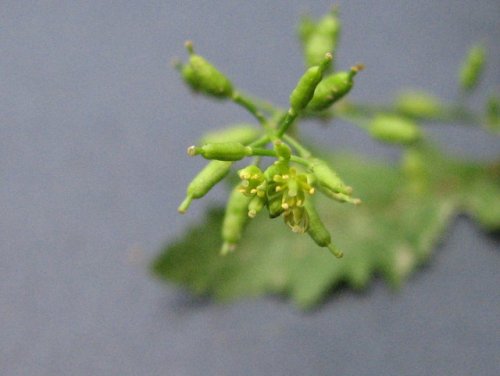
x: 93, y: 129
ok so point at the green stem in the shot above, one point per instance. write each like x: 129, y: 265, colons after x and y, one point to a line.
x: 260, y: 141
x: 248, y: 104
x: 290, y: 117
x: 263, y: 104
x: 263, y: 152
x: 301, y: 161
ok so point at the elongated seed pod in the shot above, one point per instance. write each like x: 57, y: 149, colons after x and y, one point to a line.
x: 242, y: 133
x: 235, y: 218
x: 332, y: 88
x: 394, y: 129
x: 204, y: 77
x: 305, y: 29
x: 417, y: 104
x: 493, y: 113
x: 472, y: 68
x: 304, y: 90
x: 322, y: 39
x: 327, y: 178
x: 223, y: 151
x: 317, y: 230
x: 209, y: 176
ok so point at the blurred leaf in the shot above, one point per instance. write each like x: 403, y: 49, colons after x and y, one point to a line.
x: 391, y: 233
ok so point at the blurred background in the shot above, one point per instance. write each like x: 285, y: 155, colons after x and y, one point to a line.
x: 93, y: 129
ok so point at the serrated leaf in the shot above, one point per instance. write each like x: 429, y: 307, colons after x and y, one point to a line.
x: 482, y: 197
x: 390, y: 234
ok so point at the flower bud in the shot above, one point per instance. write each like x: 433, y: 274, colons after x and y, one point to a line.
x: 223, y: 151
x: 282, y: 150
x: 256, y: 204
x: 209, y: 176
x: 234, y: 221
x: 332, y: 88
x: 472, y: 68
x: 204, y: 77
x: 253, y: 182
x: 280, y: 167
x: 394, y: 129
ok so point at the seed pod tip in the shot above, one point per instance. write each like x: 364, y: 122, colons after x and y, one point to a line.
x: 227, y: 248
x: 192, y: 151
x: 183, y: 207
x: 358, y: 68
x: 335, y: 251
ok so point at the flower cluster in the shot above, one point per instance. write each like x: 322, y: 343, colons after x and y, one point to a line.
x: 286, y: 186
x: 281, y: 189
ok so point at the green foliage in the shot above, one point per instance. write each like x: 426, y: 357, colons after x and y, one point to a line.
x: 404, y: 212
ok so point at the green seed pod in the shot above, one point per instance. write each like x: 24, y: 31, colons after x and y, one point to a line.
x: 472, y: 68
x: 282, y: 150
x: 332, y: 88
x: 306, y: 29
x: 417, y: 104
x: 326, y: 178
x: 223, y: 151
x: 242, y: 133
x: 204, y: 77
x: 304, y: 90
x: 317, y: 230
x: 234, y: 221
x: 209, y: 176
x: 322, y: 39
x: 394, y: 129
x: 340, y: 197
x: 493, y: 113
x: 415, y: 170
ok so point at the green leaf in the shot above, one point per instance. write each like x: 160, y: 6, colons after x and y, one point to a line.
x: 481, y: 194
x: 403, y: 215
